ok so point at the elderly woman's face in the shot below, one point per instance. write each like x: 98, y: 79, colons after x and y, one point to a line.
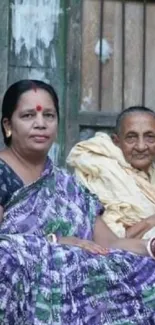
x: 137, y: 140
x: 34, y: 122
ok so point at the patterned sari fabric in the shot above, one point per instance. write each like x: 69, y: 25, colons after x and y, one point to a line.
x: 44, y: 283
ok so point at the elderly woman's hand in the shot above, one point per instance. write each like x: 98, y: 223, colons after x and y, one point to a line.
x: 151, y: 220
x: 88, y: 245
x: 140, y: 228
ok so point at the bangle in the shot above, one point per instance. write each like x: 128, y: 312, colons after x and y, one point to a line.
x: 151, y: 247
x: 54, y: 238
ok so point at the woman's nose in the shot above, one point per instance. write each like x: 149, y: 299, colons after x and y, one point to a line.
x: 40, y: 121
x: 141, y: 144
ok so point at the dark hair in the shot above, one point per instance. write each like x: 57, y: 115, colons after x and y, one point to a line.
x: 130, y: 110
x: 13, y: 94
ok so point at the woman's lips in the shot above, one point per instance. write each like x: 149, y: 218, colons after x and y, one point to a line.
x: 40, y: 138
x: 141, y: 156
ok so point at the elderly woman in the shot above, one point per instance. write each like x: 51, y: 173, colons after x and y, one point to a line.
x: 121, y: 172
x: 60, y: 263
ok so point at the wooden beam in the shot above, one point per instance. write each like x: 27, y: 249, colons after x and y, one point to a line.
x: 96, y: 119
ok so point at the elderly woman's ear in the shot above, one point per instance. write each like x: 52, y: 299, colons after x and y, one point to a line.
x: 115, y: 139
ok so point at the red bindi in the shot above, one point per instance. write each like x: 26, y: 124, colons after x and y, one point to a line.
x: 39, y: 108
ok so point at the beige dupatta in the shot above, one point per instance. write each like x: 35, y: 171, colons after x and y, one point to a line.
x: 127, y: 194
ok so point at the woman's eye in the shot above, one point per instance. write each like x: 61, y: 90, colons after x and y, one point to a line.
x: 29, y: 115
x: 151, y: 138
x: 49, y: 115
x: 130, y: 138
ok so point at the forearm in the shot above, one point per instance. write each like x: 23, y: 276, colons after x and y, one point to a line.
x: 138, y: 230
x: 106, y: 238
x: 137, y: 246
x: 102, y: 234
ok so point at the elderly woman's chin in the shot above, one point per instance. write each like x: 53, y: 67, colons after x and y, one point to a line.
x: 142, y: 163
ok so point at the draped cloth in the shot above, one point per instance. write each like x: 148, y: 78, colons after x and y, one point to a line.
x: 127, y: 193
x: 44, y: 283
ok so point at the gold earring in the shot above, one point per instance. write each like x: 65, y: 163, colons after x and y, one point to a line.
x: 8, y: 134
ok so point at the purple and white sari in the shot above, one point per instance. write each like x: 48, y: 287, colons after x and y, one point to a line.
x: 45, y: 283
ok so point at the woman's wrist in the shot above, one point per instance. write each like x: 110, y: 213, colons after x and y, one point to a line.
x: 138, y: 229
x: 137, y: 246
x: 53, y: 238
x: 69, y: 240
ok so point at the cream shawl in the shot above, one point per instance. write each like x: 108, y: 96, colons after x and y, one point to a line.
x: 127, y: 194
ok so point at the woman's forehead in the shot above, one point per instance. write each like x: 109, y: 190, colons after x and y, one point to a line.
x: 34, y: 98
x: 138, y: 122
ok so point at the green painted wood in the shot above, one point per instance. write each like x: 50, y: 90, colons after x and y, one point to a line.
x: 4, y: 39
x: 73, y: 73
x: 4, y: 14
x: 61, y: 51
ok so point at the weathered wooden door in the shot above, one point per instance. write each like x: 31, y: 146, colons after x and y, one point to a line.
x: 111, y: 65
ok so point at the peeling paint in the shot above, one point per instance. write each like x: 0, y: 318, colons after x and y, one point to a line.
x: 34, y: 23
x: 87, y: 100
x: 38, y: 74
x: 106, y: 50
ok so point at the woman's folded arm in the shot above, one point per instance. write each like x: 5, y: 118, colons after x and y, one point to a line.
x: 104, y: 237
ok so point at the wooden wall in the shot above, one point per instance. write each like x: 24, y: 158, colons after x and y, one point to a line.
x: 134, y: 55
x: 54, y: 40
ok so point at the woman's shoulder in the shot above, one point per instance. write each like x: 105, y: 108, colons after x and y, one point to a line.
x: 4, y: 167
x: 74, y: 191
x: 71, y: 184
x: 4, y: 158
x: 9, y: 182
x: 63, y: 176
x: 68, y: 181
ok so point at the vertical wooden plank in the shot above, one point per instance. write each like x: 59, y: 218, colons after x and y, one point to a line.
x: 4, y: 37
x: 89, y: 72
x: 73, y: 73
x: 112, y: 69
x: 61, y: 52
x: 117, y: 59
x: 107, y: 68
x: 134, y: 53
x: 150, y: 57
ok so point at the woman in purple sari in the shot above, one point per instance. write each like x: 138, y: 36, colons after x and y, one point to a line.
x: 60, y: 264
